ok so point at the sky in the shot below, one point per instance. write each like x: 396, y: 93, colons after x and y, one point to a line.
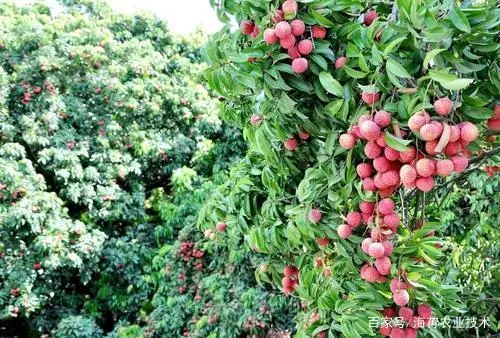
x: 182, y: 16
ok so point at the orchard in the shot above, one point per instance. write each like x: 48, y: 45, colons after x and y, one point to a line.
x: 398, y: 101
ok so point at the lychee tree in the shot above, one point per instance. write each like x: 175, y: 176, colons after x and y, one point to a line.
x: 359, y: 117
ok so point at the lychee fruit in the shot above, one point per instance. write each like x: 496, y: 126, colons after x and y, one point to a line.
x: 381, y: 141
x: 277, y: 16
x: 452, y: 148
x: 382, y: 118
x: 390, y: 178
x: 314, y: 216
x: 221, y: 227
x: 288, y: 41
x: 347, y: 141
x: 370, y: 98
x: 460, y: 163
x: 344, y: 231
x: 418, y: 120
x: 392, y: 220
x: 406, y: 313
x: 396, y: 285
x: 408, y: 156
x: 383, y: 265
x: 369, y: 17
x: 424, y: 311
x: 364, y: 170
x: 391, y: 154
x: 369, y: 130
x: 376, y: 250
x: 290, y: 271
x: 367, y: 207
x: 305, y: 47
x: 369, y: 184
x: 429, y: 132
x: 381, y: 164
x: 385, y: 330
x: 397, y: 332
x: 290, y: 144
x: 322, y: 241
x: 454, y: 133
x: 247, y: 27
x: 444, y: 167
x: 255, y: 119
x: 340, y: 62
x: 443, y: 106
x: 388, y: 247
x: 269, y: 36
x: 255, y: 32
x: 493, y: 124
x: 401, y: 297
x: 425, y: 167
x: 293, y: 52
x: 372, y: 150
x: 369, y: 273
x: 299, y: 65
x: 410, y: 332
x: 318, y: 32
x: 353, y: 218
x: 385, y: 206
x: 366, y: 244
x: 283, y: 29
x: 425, y: 184
x: 408, y: 174
x: 289, y: 7
x: 469, y: 132
x: 304, y: 135
x: 430, y: 147
x: 298, y: 27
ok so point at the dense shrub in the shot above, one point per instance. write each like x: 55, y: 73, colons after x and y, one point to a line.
x: 349, y: 109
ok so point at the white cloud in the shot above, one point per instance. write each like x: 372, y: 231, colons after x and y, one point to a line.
x: 182, y: 16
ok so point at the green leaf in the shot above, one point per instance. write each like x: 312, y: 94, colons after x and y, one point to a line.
x: 431, y: 55
x: 459, y: 19
x: 396, y: 143
x: 330, y: 84
x: 396, y: 69
x: 321, y: 19
x: 393, y: 46
x: 457, y: 84
x: 354, y: 73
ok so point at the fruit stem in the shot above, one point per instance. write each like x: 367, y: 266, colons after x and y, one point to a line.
x: 397, y: 130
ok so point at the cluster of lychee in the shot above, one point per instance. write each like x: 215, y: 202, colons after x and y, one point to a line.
x: 409, y: 320
x: 291, y: 143
x: 290, y: 279
x: 220, y: 227
x: 390, y: 168
x: 30, y: 91
x: 290, y: 34
x: 493, y: 123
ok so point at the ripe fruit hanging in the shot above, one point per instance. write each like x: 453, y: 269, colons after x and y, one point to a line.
x: 290, y: 144
x: 318, y: 32
x: 247, y: 27
x: 370, y: 17
x: 443, y: 106
x: 282, y: 29
x: 340, y: 62
x: 305, y: 47
x: 347, y: 141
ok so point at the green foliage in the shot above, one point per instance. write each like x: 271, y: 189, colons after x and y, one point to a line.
x: 414, y: 53
x: 78, y: 327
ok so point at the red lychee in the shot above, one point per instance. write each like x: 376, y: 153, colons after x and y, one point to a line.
x: 255, y: 119
x: 299, y: 65
x: 293, y: 52
x: 443, y: 106
x: 444, y: 167
x: 277, y: 16
x: 372, y: 150
x: 424, y: 311
x: 392, y: 220
x: 369, y: 184
x: 340, y: 62
x: 396, y: 285
x: 381, y: 164
x: 429, y: 132
x: 298, y: 27
x: 383, y: 265
x: 452, y: 148
x: 353, y: 218
x: 385, y: 330
x: 305, y: 47
x: 289, y: 7
x: 382, y: 118
x: 408, y: 156
x: 401, y: 297
x: 318, y: 32
x: 366, y: 244
x: 344, y: 231
x: 406, y: 313
x: 304, y: 135
x: 454, y: 133
x: 314, y: 216
x: 255, y: 32
x: 369, y: 273
x: 247, y: 27
x: 430, y: 147
x: 367, y: 207
x: 283, y: 29
x: 425, y: 167
x: 388, y: 247
x: 369, y: 130
x: 425, y: 184
x: 381, y: 141
x: 397, y: 332
x: 370, y: 98
x: 460, y: 163
x: 408, y: 174
x: 290, y: 271
x: 290, y: 144
x: 369, y: 17
x: 385, y: 206
x: 288, y: 41
x: 376, y: 250
x: 347, y: 141
x: 269, y: 36
x: 391, y: 154
x: 469, y: 132
x: 418, y: 120
x: 322, y: 241
x: 364, y: 170
x: 221, y: 227
x: 410, y: 332
x: 390, y: 178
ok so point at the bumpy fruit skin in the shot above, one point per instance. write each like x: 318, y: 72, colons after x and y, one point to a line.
x: 424, y: 311
x: 425, y: 184
x: 370, y: 17
x: 364, y: 170
x: 290, y: 144
x: 370, y: 98
x: 493, y: 124
x: 369, y: 184
x: 318, y: 32
x: 305, y: 47
x: 282, y: 29
x: 429, y: 132
x: 322, y: 241
x: 443, y: 106
x: 408, y: 156
x: 396, y: 285
x: 287, y: 42
x: 340, y: 62
x: 289, y: 6
x: 460, y: 163
x: 392, y: 220
x: 299, y: 65
x: 347, y: 141
x: 397, y: 332
x: 372, y: 150
x: 293, y: 52
x: 418, y: 120
x: 391, y: 178
x: 401, y: 297
x: 369, y: 130
x: 269, y: 36
x: 290, y: 271
x: 304, y: 135
x: 444, y: 168
x: 469, y: 132
x: 221, y: 227
x: 406, y: 313
x: 298, y: 27
x: 376, y: 250
x: 386, y: 206
x: 277, y: 16
x: 367, y: 207
x: 369, y: 273
x: 365, y: 245
x: 344, y: 231
x: 391, y: 154
x: 353, y: 218
x: 382, y: 118
x: 381, y: 164
x: 454, y: 133
x: 255, y: 32
x: 385, y: 331
x: 410, y: 332
x: 247, y: 27
x: 425, y: 167
x: 383, y: 265
x: 314, y: 216
x: 388, y: 247
x: 407, y: 174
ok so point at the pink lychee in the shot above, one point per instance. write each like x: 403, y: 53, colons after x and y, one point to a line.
x: 347, y: 141
x: 443, y: 106
x: 344, y: 231
x: 299, y: 65
x: 376, y: 250
x: 401, y: 297
x: 298, y: 27
x: 305, y: 47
